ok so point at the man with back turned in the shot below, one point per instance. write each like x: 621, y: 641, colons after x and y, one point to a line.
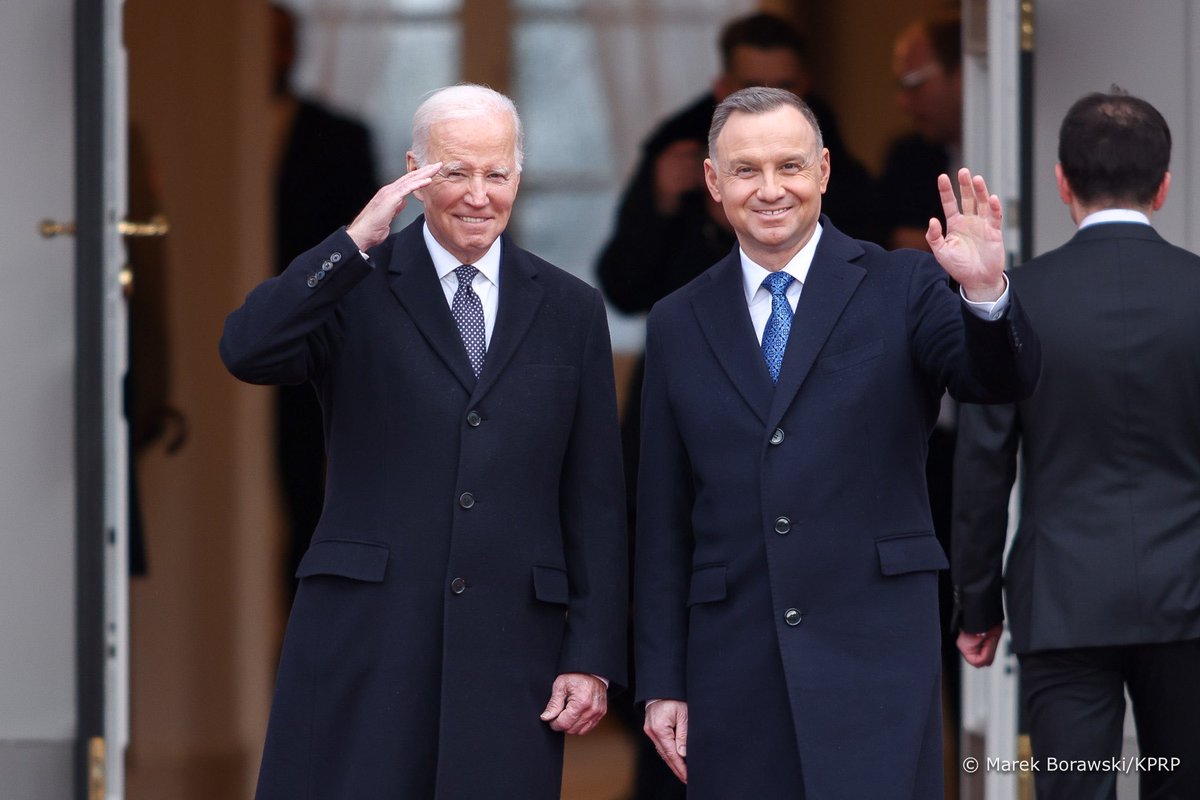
x: 1103, y: 578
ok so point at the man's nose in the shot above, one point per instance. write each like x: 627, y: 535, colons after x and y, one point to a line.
x: 770, y: 186
x: 477, y: 191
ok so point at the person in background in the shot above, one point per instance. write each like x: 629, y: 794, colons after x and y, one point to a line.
x: 325, y: 173
x: 927, y: 64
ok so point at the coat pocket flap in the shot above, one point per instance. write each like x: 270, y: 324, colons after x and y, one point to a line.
x: 361, y: 561
x: 550, y: 585
x: 708, y: 584
x: 849, y: 358
x: 913, y: 552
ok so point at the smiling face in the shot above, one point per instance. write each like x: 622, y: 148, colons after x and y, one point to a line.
x: 469, y: 201
x: 769, y: 177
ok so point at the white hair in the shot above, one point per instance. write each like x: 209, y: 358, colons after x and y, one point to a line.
x: 463, y: 101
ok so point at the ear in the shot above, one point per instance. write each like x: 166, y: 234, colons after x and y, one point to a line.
x: 710, y: 179
x: 1064, y: 188
x: 1160, y: 197
x: 825, y: 169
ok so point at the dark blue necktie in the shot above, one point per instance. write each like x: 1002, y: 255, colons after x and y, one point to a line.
x: 468, y: 314
x: 779, y: 324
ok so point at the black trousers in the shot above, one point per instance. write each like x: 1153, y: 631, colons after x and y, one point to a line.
x: 1074, y: 702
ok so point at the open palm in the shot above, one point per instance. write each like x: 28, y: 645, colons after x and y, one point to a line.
x: 972, y: 249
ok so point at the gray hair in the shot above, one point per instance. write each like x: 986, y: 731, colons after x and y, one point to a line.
x: 758, y: 100
x: 463, y: 101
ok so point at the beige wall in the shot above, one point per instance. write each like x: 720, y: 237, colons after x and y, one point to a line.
x: 205, y: 623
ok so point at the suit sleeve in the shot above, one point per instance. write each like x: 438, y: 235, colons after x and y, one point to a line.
x: 593, y: 519
x: 985, y: 464
x: 664, y: 538
x: 285, y: 329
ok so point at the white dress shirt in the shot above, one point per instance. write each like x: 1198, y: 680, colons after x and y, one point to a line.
x: 486, y: 283
x: 1114, y: 215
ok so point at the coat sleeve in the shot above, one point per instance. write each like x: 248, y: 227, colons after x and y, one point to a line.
x: 985, y: 465
x: 977, y: 360
x: 283, y: 332
x: 664, y: 537
x: 592, y: 502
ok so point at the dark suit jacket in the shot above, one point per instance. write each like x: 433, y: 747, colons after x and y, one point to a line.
x: 1107, y: 551
x: 472, y: 543
x: 787, y: 565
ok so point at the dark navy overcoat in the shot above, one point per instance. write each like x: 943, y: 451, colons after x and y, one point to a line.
x: 786, y: 560
x: 472, y: 544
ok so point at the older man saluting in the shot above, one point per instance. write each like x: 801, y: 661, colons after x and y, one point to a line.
x: 787, y: 610
x: 462, y: 603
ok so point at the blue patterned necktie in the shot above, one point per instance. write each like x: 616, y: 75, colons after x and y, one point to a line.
x: 779, y: 324
x: 468, y: 314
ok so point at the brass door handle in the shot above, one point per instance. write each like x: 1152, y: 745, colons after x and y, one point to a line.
x: 155, y: 226
x: 49, y: 228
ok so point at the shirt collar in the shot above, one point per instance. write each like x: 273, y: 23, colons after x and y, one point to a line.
x: 753, y: 274
x: 1114, y: 215
x: 488, y: 264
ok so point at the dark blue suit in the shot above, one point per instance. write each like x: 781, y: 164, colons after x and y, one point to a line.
x: 787, y: 566
x: 472, y: 542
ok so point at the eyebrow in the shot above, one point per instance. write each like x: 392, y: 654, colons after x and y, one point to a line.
x: 460, y: 166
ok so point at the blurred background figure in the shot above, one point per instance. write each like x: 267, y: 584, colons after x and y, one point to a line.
x: 927, y: 64
x: 150, y: 416
x: 325, y: 173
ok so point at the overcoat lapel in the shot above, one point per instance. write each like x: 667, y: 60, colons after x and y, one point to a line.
x: 831, y: 282
x: 414, y: 282
x: 520, y: 296
x: 720, y: 306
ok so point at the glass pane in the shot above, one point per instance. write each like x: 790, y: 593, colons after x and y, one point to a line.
x: 563, y: 226
x: 424, y: 6
x: 376, y: 8
x: 421, y: 57
x: 560, y: 5
x: 562, y: 104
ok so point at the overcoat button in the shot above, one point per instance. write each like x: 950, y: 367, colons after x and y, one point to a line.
x: 327, y: 265
x: 335, y: 257
x: 466, y: 499
x: 792, y: 617
x: 783, y: 525
x: 777, y: 436
x: 458, y: 585
x: 473, y: 418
